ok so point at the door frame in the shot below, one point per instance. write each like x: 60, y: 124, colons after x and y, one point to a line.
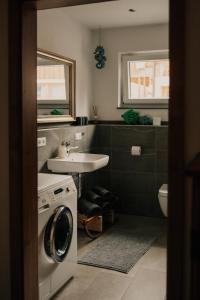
x: 23, y: 146
x: 177, y: 207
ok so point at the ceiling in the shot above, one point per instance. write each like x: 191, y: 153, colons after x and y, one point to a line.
x: 116, y: 13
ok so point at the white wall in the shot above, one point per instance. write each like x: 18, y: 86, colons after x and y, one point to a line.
x: 141, y: 38
x: 4, y: 154
x: 60, y: 34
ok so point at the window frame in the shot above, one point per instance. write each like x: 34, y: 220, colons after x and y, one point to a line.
x: 161, y: 103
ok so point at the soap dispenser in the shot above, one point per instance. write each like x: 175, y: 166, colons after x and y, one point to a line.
x: 62, y: 150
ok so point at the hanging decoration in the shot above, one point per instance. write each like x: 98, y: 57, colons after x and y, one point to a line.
x: 100, y: 54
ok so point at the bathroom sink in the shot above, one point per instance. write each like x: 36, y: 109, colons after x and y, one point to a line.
x: 78, y: 163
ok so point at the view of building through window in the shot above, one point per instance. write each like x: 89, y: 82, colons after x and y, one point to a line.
x: 51, y: 82
x: 148, y: 79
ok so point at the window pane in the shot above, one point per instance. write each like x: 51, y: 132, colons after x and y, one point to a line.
x: 51, y: 82
x: 161, y: 79
x: 148, y: 79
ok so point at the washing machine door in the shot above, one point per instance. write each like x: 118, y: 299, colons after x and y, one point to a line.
x: 58, y: 234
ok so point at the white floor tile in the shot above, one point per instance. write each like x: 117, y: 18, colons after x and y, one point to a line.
x: 83, y: 278
x: 147, y: 285
x: 107, y: 286
x: 155, y: 259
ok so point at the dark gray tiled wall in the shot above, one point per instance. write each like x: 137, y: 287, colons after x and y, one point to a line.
x: 135, y: 180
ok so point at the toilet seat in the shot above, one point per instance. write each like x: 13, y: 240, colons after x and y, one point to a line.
x: 163, y: 191
x: 163, y: 198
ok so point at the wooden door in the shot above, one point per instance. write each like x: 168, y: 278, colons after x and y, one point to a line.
x: 176, y: 195
x: 193, y: 172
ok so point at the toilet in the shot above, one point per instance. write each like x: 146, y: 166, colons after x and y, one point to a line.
x: 163, y: 197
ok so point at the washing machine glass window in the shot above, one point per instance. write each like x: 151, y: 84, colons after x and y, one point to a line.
x: 58, y: 234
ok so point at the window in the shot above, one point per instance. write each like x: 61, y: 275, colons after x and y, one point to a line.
x: 144, y: 79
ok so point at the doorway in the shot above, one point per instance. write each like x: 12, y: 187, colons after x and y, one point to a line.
x: 135, y: 181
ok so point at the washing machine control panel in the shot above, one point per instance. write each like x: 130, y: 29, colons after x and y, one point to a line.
x: 55, y: 195
x: 59, y: 194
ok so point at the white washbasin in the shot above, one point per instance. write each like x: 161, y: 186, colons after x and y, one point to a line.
x: 78, y: 163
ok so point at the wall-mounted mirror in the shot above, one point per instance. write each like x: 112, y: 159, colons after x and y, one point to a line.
x: 56, y: 79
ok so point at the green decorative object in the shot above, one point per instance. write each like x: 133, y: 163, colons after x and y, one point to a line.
x: 56, y: 112
x: 131, y: 117
x: 145, y: 120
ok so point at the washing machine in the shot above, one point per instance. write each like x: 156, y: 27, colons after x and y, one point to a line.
x: 57, y: 232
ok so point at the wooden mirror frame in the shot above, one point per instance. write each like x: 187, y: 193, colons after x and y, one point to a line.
x: 72, y: 93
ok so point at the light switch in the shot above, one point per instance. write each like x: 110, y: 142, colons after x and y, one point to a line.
x: 78, y: 136
x: 136, y: 150
x: 41, y: 142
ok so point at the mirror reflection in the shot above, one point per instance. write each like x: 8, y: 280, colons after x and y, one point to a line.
x: 55, y: 87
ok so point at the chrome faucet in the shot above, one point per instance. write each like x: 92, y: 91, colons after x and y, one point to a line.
x: 69, y: 148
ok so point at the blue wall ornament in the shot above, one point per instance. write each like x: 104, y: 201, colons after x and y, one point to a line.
x: 100, y: 57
